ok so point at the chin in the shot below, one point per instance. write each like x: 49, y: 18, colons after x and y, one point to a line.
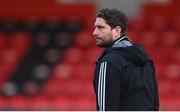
x: 99, y: 45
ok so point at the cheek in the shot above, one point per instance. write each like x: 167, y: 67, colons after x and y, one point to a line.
x: 107, y: 37
x: 106, y: 32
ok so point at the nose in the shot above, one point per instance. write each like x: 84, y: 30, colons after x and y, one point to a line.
x: 95, y: 32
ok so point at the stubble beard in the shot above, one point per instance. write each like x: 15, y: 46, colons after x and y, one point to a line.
x: 104, y: 43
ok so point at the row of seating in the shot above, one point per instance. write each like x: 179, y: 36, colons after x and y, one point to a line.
x: 12, y: 49
x: 157, y: 22
x: 85, y: 40
x: 41, y: 103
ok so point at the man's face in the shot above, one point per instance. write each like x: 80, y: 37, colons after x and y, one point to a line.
x: 102, y: 33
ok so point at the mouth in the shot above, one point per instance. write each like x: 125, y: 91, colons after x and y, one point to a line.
x: 98, y: 39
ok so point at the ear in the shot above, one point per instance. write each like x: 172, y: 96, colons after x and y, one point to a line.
x: 116, y: 32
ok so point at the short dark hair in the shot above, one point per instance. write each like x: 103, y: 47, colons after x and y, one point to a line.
x: 113, y: 18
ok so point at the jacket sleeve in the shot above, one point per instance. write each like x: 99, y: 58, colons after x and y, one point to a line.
x: 156, y: 94
x: 108, y: 87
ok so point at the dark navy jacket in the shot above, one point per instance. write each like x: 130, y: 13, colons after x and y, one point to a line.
x: 125, y: 79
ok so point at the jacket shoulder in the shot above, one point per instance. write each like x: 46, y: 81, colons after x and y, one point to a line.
x: 115, y: 60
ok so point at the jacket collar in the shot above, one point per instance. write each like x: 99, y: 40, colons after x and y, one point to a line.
x: 120, y: 42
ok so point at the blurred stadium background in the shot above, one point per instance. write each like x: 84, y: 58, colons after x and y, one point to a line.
x: 47, y: 51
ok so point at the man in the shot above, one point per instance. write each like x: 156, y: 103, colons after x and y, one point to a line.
x: 124, y: 77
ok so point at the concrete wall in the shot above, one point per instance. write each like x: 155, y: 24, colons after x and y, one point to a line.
x: 130, y: 7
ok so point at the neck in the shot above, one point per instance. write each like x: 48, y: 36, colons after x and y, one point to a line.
x: 119, y: 39
x: 116, y: 41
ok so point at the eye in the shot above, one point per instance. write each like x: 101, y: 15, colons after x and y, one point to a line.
x: 100, y: 27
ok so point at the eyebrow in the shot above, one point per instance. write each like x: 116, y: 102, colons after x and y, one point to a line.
x: 100, y: 13
x: 101, y: 26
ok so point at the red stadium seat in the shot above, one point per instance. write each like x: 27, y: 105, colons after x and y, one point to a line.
x: 176, y: 23
x: 172, y: 71
x: 11, y: 56
x: 176, y: 56
x: 3, y: 103
x: 20, y: 40
x: 84, y: 71
x: 170, y: 39
x: 73, y: 55
x: 176, y: 90
x: 84, y: 40
x: 157, y: 22
x: 5, y: 71
x: 17, y: 103
x: 92, y: 55
x: 149, y: 38
x: 64, y: 71
x: 3, y: 39
x: 133, y: 26
x: 160, y: 68
x: 51, y: 88
x: 71, y: 88
x: 165, y: 88
x: 133, y: 36
x: 85, y: 104
x: 30, y: 88
x: 38, y: 103
x: 170, y: 104
x: 63, y: 103
x: 62, y: 39
x: 160, y: 54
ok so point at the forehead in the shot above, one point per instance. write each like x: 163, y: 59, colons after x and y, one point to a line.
x: 100, y: 21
